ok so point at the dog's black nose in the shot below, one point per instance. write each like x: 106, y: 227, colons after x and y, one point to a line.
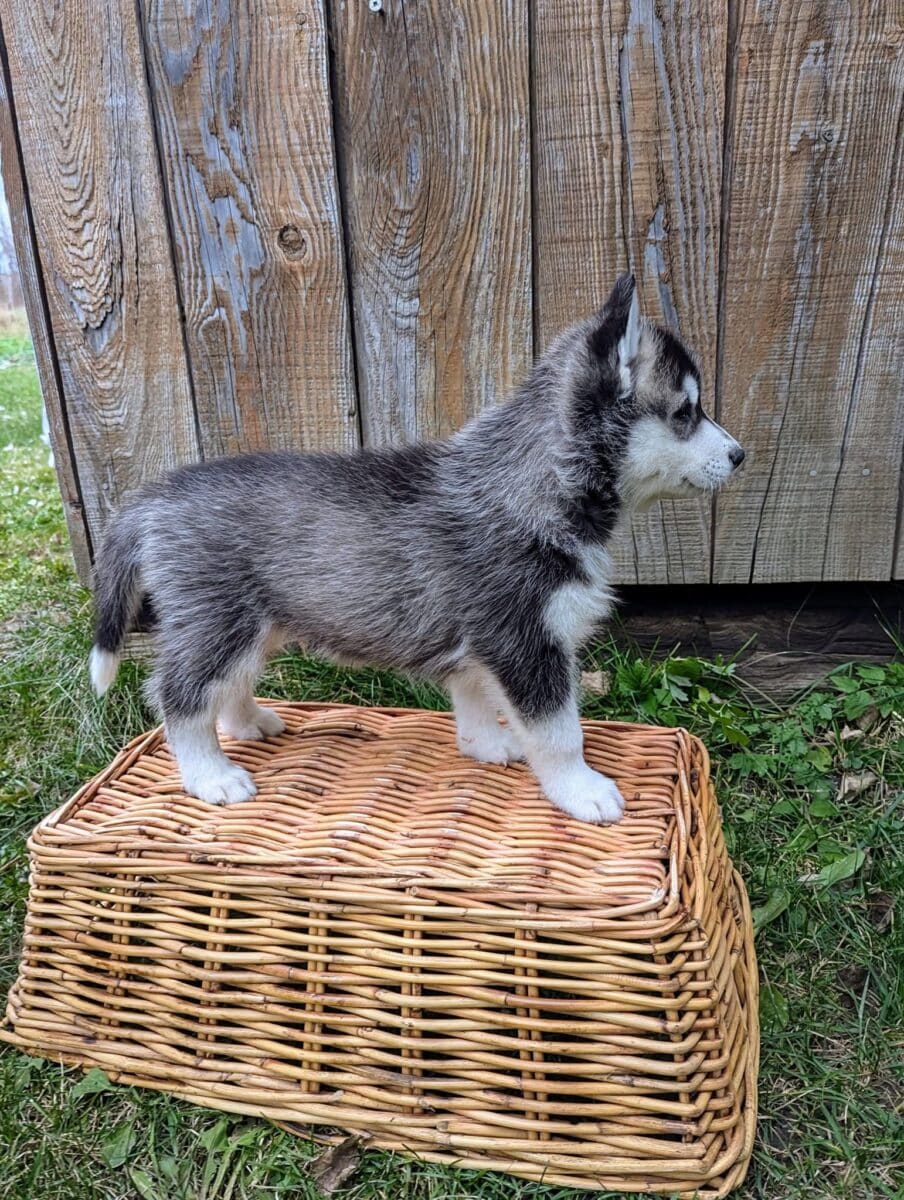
x: 737, y: 456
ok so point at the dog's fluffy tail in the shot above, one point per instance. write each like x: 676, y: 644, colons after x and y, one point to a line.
x: 117, y: 597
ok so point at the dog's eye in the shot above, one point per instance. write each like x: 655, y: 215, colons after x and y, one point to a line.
x: 685, y: 412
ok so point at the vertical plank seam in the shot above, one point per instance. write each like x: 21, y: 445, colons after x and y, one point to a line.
x: 897, y: 566
x: 166, y: 203
x: 340, y: 171
x: 655, y: 32
x: 424, y: 222
x: 624, y: 198
x: 875, y: 284
x: 31, y: 236
x: 792, y: 371
x: 625, y: 210
x: 532, y: 142
x: 820, y: 175
x: 897, y: 545
x: 729, y: 109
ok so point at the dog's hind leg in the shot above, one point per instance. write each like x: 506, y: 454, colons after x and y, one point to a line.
x: 200, y: 672
x: 477, y: 700
x: 206, y: 771
x: 241, y: 717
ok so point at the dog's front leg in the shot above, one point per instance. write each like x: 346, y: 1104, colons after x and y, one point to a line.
x: 555, y: 751
x: 544, y: 712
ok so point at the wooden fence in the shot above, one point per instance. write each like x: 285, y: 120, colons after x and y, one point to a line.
x: 259, y: 223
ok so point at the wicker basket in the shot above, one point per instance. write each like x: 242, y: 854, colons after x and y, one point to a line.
x: 393, y: 939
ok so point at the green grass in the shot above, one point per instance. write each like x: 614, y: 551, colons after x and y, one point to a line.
x: 824, y: 874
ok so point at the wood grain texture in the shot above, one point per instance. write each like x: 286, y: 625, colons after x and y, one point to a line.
x: 434, y: 146
x: 241, y: 98
x: 628, y: 105
x: 814, y: 333
x: 39, y: 326
x: 88, y: 152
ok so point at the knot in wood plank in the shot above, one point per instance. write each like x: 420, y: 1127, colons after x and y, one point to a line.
x: 292, y: 242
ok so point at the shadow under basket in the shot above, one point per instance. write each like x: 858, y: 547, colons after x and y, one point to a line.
x: 394, y: 940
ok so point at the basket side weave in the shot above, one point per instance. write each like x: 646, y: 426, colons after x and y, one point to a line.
x: 439, y: 999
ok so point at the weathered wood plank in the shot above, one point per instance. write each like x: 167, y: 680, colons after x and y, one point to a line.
x: 628, y: 103
x: 87, y: 143
x: 241, y: 99
x: 814, y: 329
x: 434, y: 150
x: 39, y: 326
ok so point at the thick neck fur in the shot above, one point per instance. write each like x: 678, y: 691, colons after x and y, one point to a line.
x: 549, y: 457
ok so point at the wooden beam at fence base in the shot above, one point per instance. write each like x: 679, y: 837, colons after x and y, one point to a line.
x: 814, y: 331
x: 434, y: 150
x: 87, y: 143
x: 786, y: 637
x: 242, y: 105
x: 628, y: 105
x: 39, y: 326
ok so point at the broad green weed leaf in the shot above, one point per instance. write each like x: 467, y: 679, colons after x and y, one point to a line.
x: 773, y: 1008
x: 774, y: 907
x: 144, y: 1185
x: 785, y: 808
x: 837, y: 871
x: 95, y: 1081
x: 823, y: 807
x: 820, y: 757
x: 168, y: 1166
x: 871, y: 674
x: 217, y: 1136
x: 115, y: 1151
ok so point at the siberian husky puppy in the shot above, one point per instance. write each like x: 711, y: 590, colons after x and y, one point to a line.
x: 481, y: 561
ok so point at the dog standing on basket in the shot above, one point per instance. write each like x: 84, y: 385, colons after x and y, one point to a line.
x: 481, y: 561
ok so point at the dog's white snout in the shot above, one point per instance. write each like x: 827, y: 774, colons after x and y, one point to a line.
x: 731, y: 447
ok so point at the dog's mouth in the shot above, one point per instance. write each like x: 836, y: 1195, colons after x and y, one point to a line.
x: 707, y: 487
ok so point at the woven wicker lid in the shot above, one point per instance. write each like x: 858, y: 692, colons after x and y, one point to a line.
x: 384, y: 795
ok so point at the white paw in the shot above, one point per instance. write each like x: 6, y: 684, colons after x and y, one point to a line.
x: 251, y: 727
x: 587, y: 795
x: 220, y: 783
x: 491, y: 744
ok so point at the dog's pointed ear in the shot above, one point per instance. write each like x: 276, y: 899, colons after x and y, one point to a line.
x: 616, y: 335
x: 629, y: 343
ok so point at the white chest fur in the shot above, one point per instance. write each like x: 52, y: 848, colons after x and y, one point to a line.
x: 576, y: 609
